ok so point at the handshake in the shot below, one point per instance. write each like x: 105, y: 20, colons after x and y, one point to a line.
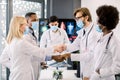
x: 60, y: 58
x: 60, y: 48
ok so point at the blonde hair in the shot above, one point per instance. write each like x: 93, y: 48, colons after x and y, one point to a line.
x: 14, y: 28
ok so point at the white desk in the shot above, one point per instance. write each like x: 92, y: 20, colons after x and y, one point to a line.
x: 67, y: 75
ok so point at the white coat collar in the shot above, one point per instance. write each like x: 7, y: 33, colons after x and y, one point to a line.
x: 88, y: 27
x: 105, y: 37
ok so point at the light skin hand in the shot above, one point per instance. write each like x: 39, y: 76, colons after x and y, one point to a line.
x: 59, y: 48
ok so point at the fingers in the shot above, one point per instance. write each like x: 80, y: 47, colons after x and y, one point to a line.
x: 44, y: 65
x: 58, y: 58
x: 86, y: 78
x: 65, y: 56
x: 60, y: 48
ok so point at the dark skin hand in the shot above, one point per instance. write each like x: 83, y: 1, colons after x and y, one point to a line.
x: 85, y: 78
x: 98, y: 71
x: 58, y: 58
x: 44, y: 65
x: 66, y: 55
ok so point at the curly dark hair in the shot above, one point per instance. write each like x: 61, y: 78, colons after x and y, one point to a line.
x: 108, y: 16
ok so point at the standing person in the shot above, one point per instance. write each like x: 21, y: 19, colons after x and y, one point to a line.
x: 54, y: 35
x: 17, y: 54
x: 84, y: 42
x: 31, y: 18
x: 107, y: 50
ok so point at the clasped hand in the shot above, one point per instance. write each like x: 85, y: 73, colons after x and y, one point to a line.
x: 60, y: 58
x: 60, y: 48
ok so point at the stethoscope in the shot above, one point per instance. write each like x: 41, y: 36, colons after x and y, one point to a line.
x: 109, y: 40
x: 105, y: 52
x: 87, y: 36
x: 49, y: 40
x: 106, y: 47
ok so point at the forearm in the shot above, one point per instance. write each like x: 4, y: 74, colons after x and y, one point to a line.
x: 72, y: 47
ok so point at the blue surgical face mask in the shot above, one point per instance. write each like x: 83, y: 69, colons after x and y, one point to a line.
x: 54, y: 28
x: 26, y: 30
x: 80, y: 23
x: 78, y: 32
x: 35, y: 25
x: 98, y: 29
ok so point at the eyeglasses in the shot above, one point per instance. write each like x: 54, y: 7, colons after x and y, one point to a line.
x: 77, y: 18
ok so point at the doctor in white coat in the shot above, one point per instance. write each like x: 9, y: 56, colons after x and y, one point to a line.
x: 106, y: 59
x: 54, y: 35
x: 107, y: 50
x: 84, y: 42
x: 17, y: 55
x: 30, y: 36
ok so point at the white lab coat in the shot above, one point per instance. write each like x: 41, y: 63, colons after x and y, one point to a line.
x: 30, y: 38
x: 35, y: 60
x: 50, y: 38
x: 19, y: 53
x: 86, y: 55
x: 107, y: 61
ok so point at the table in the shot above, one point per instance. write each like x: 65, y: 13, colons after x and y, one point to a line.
x: 67, y: 75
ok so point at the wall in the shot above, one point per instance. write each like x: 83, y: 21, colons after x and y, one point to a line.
x: 92, y: 6
x: 62, y: 8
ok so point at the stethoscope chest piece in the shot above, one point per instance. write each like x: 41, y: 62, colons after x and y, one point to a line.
x: 105, y: 51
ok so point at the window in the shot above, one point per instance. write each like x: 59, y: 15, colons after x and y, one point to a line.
x: 18, y: 6
x: 2, y: 34
x: 22, y: 7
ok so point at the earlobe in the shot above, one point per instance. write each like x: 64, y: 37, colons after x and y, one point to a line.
x: 103, y: 28
x: 86, y: 18
x: 49, y: 24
